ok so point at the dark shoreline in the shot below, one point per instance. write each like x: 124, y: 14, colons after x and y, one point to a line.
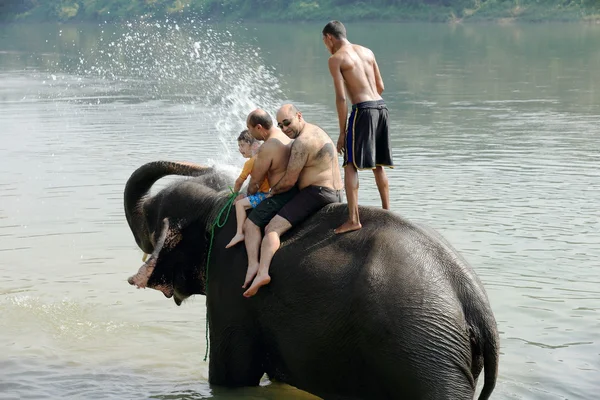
x: 243, y: 11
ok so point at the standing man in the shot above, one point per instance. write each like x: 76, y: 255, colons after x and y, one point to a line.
x: 271, y: 161
x: 313, y: 168
x: 364, y: 140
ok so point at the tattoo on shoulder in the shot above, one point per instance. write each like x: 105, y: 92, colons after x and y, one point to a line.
x: 327, y: 151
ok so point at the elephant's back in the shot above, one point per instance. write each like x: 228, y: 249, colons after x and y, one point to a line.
x: 386, y: 241
x: 389, y: 255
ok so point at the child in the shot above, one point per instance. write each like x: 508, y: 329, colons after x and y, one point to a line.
x: 248, y: 147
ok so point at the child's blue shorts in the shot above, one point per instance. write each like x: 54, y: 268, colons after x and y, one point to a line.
x: 256, y: 198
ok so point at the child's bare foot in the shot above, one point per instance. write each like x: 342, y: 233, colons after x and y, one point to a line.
x: 348, y: 226
x: 250, y: 274
x: 260, y: 280
x: 239, y: 237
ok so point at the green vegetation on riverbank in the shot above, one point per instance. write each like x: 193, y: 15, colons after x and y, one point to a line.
x: 303, y: 10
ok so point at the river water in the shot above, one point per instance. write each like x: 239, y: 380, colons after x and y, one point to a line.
x: 496, y: 133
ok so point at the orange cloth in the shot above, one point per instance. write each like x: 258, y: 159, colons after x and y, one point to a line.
x: 247, y: 169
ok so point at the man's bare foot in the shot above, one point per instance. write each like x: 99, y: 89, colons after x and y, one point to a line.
x: 236, y: 239
x: 250, y: 274
x: 348, y: 226
x: 260, y: 280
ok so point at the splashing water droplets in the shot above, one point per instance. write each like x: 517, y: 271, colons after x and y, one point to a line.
x: 188, y: 63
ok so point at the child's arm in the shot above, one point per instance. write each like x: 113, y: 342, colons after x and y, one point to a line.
x: 246, y: 169
x: 238, y: 184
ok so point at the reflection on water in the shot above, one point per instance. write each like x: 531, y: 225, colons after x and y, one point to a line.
x: 496, y: 145
x: 73, y: 380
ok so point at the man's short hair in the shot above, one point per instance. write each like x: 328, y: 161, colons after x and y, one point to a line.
x: 245, y: 136
x: 335, y: 29
x: 260, y: 117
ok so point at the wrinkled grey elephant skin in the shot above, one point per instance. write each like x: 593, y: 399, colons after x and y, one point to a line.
x: 387, y: 312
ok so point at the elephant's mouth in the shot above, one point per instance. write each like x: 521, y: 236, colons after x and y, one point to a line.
x: 140, y: 280
x: 167, y: 290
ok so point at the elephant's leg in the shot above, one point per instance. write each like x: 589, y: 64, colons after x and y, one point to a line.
x: 235, y: 358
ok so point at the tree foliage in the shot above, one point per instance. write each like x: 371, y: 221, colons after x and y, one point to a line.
x: 294, y: 10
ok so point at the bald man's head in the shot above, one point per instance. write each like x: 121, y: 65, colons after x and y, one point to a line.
x: 287, y: 110
x: 259, y: 117
x: 289, y: 120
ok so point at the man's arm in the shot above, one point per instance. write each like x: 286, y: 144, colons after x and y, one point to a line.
x: 298, y: 159
x: 335, y: 68
x: 262, y: 163
x: 378, y: 78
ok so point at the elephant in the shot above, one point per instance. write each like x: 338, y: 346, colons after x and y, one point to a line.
x: 390, y: 311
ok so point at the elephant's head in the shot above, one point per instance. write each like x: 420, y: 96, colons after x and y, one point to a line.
x: 172, y: 225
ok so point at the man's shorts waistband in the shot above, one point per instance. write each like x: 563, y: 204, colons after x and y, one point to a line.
x: 369, y: 104
x: 328, y: 189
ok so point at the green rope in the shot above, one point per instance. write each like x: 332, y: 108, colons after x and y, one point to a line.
x: 227, y: 206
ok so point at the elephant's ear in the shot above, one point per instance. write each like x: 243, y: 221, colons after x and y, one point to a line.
x: 172, y: 234
x: 168, y: 237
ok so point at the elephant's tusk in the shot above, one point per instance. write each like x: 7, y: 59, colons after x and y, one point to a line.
x: 144, y: 257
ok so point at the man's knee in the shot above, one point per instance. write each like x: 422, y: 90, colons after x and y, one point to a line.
x: 278, y: 225
x: 271, y: 228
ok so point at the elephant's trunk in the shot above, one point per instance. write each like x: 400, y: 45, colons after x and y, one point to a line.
x: 137, y: 188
